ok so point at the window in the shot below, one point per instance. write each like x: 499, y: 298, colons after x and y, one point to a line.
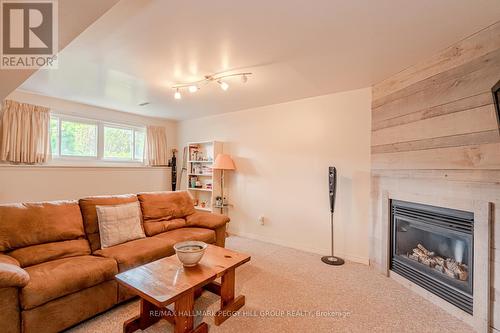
x: 118, y: 143
x: 77, y: 138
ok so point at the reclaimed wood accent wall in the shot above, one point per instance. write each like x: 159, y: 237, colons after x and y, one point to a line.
x: 435, y: 134
x: 439, y: 114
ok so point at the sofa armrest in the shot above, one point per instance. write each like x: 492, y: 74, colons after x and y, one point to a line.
x: 11, y: 275
x: 207, y: 220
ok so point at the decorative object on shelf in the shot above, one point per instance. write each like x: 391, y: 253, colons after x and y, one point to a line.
x: 220, y: 78
x: 218, y: 201
x: 203, y: 204
x: 193, y: 182
x: 190, y: 252
x: 332, y: 186
x: 223, y: 162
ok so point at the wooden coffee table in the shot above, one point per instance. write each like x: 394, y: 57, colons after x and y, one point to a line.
x: 165, y: 281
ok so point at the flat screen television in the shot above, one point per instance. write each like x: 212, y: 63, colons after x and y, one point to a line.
x: 496, y: 97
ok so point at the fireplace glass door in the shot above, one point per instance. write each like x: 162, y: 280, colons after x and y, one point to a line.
x: 433, y: 247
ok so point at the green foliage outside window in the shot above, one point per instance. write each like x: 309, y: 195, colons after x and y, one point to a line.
x: 54, y: 136
x: 78, y: 139
x: 118, y: 143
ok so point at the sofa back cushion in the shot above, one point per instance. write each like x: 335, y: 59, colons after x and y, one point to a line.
x: 36, y: 254
x: 37, y: 232
x: 89, y: 213
x: 162, y: 211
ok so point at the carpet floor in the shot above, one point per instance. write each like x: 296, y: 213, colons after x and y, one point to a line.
x: 289, y: 290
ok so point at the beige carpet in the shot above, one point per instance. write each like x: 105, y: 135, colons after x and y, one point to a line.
x: 292, y: 291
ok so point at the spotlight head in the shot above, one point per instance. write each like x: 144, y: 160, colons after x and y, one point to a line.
x: 193, y: 88
x: 177, y: 94
x: 223, y: 85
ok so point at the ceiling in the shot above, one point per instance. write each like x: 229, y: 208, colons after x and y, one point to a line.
x: 295, y: 49
x: 74, y: 17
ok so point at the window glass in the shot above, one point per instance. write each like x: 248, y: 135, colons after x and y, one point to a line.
x: 118, y: 143
x: 140, y: 138
x: 54, y: 136
x: 78, y: 139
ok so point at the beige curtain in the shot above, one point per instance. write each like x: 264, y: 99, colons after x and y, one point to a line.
x: 156, y: 146
x: 24, y: 133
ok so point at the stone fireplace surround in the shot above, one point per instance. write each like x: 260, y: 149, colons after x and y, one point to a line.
x: 431, y: 192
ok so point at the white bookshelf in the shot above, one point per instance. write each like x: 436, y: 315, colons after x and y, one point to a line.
x: 203, y: 182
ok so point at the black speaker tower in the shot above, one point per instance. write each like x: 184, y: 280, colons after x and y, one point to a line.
x: 332, y: 187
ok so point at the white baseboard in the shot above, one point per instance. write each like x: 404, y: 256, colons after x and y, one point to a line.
x: 360, y: 260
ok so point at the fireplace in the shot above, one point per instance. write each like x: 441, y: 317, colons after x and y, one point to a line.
x: 433, y: 248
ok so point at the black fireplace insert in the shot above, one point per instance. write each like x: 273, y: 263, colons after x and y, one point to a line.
x: 433, y: 247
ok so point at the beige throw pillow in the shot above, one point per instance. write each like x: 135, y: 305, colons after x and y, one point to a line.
x: 119, y: 224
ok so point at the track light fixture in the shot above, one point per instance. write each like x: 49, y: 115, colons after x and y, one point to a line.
x: 177, y: 94
x: 221, y: 79
x: 223, y: 85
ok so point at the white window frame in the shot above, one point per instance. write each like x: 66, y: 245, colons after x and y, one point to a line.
x: 125, y: 127
x: 99, y: 159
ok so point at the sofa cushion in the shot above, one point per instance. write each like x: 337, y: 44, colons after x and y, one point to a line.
x: 159, y: 208
x: 64, y: 312
x: 36, y: 254
x: 57, y: 278
x: 152, y: 228
x: 119, y: 224
x: 89, y: 213
x: 29, y: 224
x: 138, y: 252
x: 185, y: 234
x: 13, y: 276
x: 207, y: 220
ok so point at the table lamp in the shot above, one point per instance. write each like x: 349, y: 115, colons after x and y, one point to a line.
x: 223, y: 162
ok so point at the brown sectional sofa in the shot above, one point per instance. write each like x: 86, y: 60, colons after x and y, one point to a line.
x: 53, y: 272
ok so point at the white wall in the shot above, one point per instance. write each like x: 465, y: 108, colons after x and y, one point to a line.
x: 282, y: 153
x: 35, y: 183
x: 27, y: 183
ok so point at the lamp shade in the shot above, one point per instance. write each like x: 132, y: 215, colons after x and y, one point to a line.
x: 223, y: 162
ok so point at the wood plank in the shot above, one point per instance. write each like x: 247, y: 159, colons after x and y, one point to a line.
x: 227, y: 288
x: 231, y: 308
x: 470, y: 121
x: 467, y: 176
x: 485, y: 156
x: 470, y: 84
x: 184, y: 313
x: 477, y: 45
x: 483, y: 221
x: 435, y: 111
x: 451, y: 74
x: 478, y: 138
x: 213, y: 287
x: 145, y: 319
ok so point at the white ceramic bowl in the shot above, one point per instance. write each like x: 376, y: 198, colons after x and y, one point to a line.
x: 190, y: 252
